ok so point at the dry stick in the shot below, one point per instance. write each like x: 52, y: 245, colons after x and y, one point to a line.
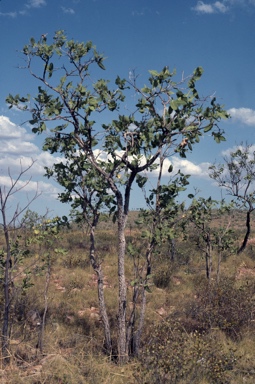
x: 46, y: 288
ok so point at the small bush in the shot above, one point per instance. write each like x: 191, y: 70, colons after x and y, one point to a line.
x: 174, y: 356
x: 76, y: 260
x: 225, y: 305
x: 162, y: 275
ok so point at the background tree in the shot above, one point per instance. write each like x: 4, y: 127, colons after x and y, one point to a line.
x: 11, y: 253
x: 237, y: 176
x: 45, y: 235
x: 202, y: 214
x: 159, y: 219
x: 110, y: 157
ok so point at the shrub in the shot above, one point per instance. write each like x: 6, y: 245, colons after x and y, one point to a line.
x: 162, y: 276
x: 174, y: 356
x: 225, y: 306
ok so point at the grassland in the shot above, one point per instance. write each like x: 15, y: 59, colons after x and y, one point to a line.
x: 195, y: 331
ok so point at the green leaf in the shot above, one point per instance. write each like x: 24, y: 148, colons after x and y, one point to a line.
x: 154, y: 73
x: 147, y: 288
x: 174, y: 105
x: 208, y: 128
x: 134, y: 282
x: 145, y: 234
x: 141, y: 180
x: 101, y: 65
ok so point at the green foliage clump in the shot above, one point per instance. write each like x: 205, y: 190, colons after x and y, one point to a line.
x: 162, y: 276
x: 226, y: 306
x: 174, y: 356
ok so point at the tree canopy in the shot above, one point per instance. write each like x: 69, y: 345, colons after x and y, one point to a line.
x: 103, y: 155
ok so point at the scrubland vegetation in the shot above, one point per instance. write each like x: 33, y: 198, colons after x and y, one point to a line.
x: 196, y: 330
x: 165, y: 295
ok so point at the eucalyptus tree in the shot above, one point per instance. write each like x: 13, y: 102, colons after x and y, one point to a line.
x: 209, y: 234
x: 103, y: 155
x: 237, y: 176
x: 158, y: 223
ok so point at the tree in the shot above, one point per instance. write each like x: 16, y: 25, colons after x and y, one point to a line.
x: 11, y: 254
x: 101, y: 162
x: 160, y: 219
x: 237, y: 176
x: 202, y: 214
x: 45, y: 235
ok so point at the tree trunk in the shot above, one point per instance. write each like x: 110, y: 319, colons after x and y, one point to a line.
x: 208, y: 257
x: 7, y: 286
x: 248, y: 231
x: 103, y: 312
x: 137, y: 336
x: 6, y: 315
x: 122, y: 350
x: 100, y: 287
x: 131, y: 323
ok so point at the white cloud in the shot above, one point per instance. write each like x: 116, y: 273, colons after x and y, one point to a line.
x: 17, y: 146
x: 9, y: 14
x: 9, y: 130
x: 35, y: 3
x: 201, y: 7
x: 227, y: 152
x: 184, y: 165
x: 68, y: 10
x: 220, y: 6
x: 187, y: 167
x: 216, y: 7
x: 17, y: 153
x: 15, y: 139
x: 244, y: 115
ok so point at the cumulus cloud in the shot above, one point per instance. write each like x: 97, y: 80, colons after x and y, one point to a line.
x: 68, y: 10
x: 29, y: 5
x: 243, y: 115
x: 12, y: 15
x: 35, y: 3
x: 227, y: 152
x: 220, y: 6
x: 15, y: 139
x: 216, y: 7
x: 185, y: 166
x: 17, y: 153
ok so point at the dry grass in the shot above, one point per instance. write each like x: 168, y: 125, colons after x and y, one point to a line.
x: 73, y: 342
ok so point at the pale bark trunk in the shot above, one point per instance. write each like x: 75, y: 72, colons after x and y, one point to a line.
x: 122, y: 351
x: 131, y: 323
x: 103, y: 312
x: 7, y: 299
x: 137, y: 338
x: 100, y: 287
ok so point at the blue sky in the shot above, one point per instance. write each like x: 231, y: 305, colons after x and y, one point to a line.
x: 140, y: 35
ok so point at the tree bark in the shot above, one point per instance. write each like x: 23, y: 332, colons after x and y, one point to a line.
x: 208, y: 257
x: 248, y: 231
x: 100, y: 287
x: 7, y: 284
x: 122, y: 351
